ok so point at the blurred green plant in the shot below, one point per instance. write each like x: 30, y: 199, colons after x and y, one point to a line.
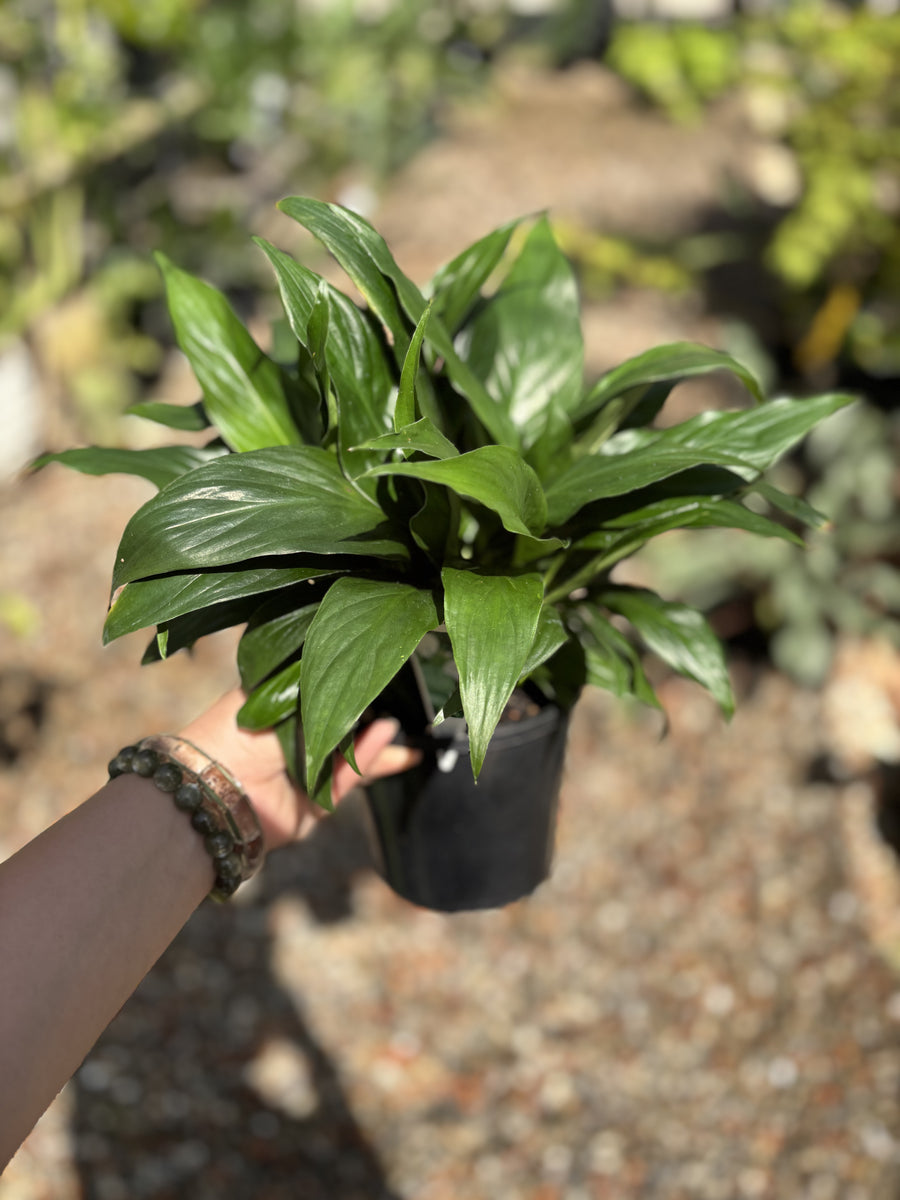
x: 820, y: 83
x: 679, y: 67
x: 125, y: 125
x: 606, y: 262
x: 848, y: 583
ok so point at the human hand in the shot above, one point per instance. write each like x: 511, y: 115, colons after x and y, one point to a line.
x: 256, y: 761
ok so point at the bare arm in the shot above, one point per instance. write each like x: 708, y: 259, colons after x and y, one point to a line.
x: 89, y: 905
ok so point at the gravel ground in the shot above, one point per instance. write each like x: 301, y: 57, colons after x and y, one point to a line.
x: 691, y: 1007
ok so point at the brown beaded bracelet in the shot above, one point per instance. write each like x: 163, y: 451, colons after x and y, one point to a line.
x: 219, y: 809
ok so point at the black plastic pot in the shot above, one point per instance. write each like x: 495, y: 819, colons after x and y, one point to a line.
x: 447, y: 843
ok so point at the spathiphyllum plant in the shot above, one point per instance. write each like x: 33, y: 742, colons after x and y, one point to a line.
x: 421, y: 497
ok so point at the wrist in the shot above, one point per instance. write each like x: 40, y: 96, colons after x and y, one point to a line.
x: 208, y: 798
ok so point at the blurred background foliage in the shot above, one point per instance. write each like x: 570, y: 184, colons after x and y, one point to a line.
x: 128, y: 126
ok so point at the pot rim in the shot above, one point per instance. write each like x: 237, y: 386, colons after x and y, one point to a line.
x: 507, y: 733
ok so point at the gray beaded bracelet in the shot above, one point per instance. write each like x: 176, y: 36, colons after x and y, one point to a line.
x: 218, y: 807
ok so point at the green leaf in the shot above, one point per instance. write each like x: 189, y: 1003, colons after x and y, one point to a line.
x: 679, y: 635
x: 491, y: 621
x: 435, y: 527
x: 189, y: 417
x: 357, y: 357
x: 452, y: 707
x: 242, y: 390
x: 494, y: 476
x: 670, y: 363
x: 599, y: 476
x: 271, y: 637
x: 612, y: 662
x: 347, y: 751
x: 362, y: 634
x: 290, y: 737
x: 317, y: 341
x: 317, y: 331
x: 549, y: 636
x: 273, y: 701
x: 525, y: 342
x: 680, y: 512
x: 405, y: 410
x: 182, y: 632
x: 551, y: 453
x: 759, y: 436
x: 422, y: 436
x: 151, y: 601
x: 283, y: 500
x: 159, y: 465
x: 364, y: 255
x: 793, y: 506
x: 456, y: 287
x: 632, y: 409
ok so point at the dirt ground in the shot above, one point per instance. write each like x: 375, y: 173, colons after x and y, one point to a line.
x: 700, y: 1003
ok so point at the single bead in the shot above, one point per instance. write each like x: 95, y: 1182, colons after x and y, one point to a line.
x: 167, y: 776
x: 121, y: 764
x: 219, y: 844
x: 226, y: 887
x: 188, y: 797
x: 145, y: 763
x: 203, y: 821
x: 228, y: 867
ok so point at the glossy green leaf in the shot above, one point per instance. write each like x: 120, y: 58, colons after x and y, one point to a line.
x: 612, y: 662
x: 549, y: 636
x: 189, y: 417
x: 551, y: 453
x: 422, y: 437
x: 357, y: 357
x: 452, y: 707
x: 793, y: 506
x: 634, y: 408
x: 180, y: 633
x: 405, y: 410
x: 491, y: 621
x: 273, y: 701
x: 283, y: 500
x: 674, y: 362
x: 242, y: 391
x: 364, y: 255
x: 759, y: 436
x: 269, y: 640
x: 362, y: 634
x: 290, y: 737
x: 633, y: 529
x: 679, y: 635
x: 607, y: 668
x: 159, y: 465
x: 525, y: 342
x: 435, y: 527
x: 456, y: 287
x: 148, y: 602
x: 494, y: 476
x: 600, y: 476
x: 317, y: 330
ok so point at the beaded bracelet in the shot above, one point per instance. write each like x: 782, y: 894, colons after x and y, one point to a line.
x: 219, y: 809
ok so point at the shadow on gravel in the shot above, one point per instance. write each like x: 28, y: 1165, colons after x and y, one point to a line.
x: 165, y: 1104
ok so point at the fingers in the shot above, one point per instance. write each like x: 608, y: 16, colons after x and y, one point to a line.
x: 375, y: 756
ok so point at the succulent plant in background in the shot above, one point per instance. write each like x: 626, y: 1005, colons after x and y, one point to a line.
x: 425, y: 499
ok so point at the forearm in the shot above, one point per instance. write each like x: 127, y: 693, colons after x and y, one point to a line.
x: 85, y: 911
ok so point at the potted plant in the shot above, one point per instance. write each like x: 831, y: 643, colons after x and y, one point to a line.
x: 417, y: 507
